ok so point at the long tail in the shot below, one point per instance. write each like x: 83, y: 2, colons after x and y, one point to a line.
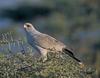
x: 70, y: 53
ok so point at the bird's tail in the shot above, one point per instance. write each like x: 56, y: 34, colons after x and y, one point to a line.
x: 70, y: 53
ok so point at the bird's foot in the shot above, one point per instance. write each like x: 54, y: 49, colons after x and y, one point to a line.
x: 44, y: 59
x: 81, y: 65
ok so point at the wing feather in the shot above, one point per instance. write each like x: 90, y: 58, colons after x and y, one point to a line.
x: 47, y: 41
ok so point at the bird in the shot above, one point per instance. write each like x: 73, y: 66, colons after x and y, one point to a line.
x: 44, y: 43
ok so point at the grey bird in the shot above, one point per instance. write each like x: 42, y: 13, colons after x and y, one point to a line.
x: 44, y: 43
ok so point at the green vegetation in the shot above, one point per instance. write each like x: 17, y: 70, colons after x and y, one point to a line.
x: 75, y: 22
x: 57, y: 66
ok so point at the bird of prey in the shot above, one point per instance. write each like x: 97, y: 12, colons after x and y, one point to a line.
x: 44, y: 43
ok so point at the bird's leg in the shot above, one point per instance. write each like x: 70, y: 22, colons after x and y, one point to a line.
x: 44, y: 55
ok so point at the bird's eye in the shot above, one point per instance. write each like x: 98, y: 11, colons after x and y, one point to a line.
x: 28, y: 25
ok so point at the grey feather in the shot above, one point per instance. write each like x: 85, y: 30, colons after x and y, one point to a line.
x: 44, y: 43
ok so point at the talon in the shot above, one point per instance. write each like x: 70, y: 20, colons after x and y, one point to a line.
x: 81, y: 64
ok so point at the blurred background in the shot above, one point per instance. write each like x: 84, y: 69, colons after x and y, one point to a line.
x: 74, y: 22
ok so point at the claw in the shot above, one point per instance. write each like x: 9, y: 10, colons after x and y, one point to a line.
x: 81, y: 65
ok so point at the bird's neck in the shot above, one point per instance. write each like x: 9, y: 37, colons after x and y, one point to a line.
x: 35, y: 32
x: 32, y: 32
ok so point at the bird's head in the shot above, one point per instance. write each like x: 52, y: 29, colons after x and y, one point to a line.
x: 29, y: 27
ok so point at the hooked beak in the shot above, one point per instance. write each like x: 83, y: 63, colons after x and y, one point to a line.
x: 25, y: 26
